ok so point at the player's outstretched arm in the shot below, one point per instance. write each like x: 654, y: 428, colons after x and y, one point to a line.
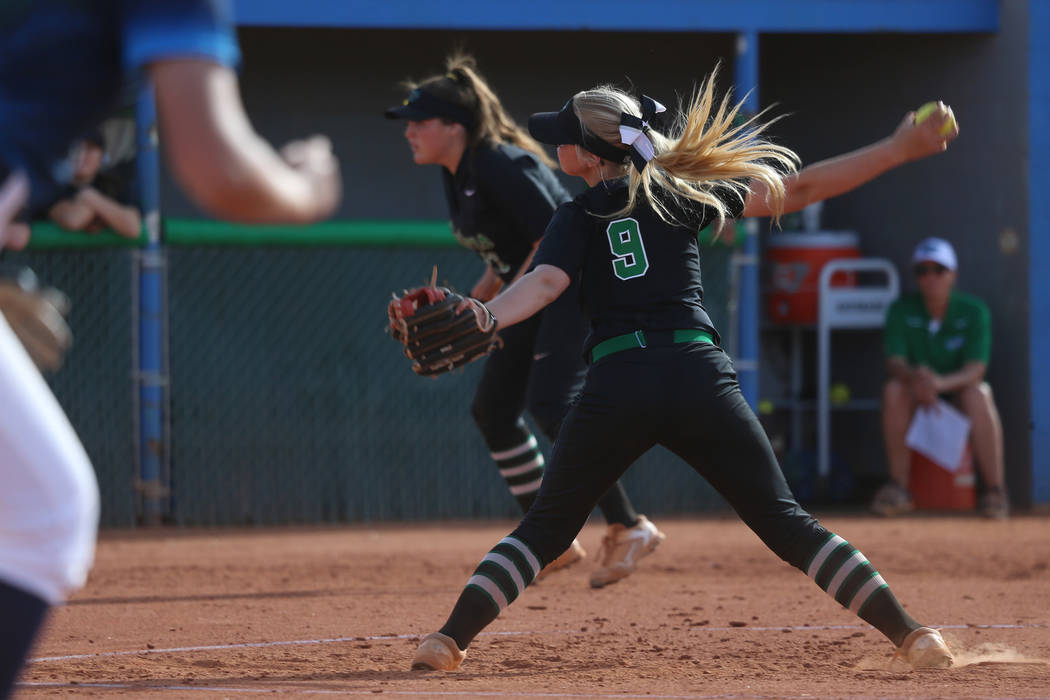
x: 528, y: 295
x: 840, y: 174
x: 223, y: 165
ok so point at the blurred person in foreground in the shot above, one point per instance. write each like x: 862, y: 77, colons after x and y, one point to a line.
x: 937, y: 343
x: 49, y: 98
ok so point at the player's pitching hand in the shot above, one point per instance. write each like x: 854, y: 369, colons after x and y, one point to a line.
x: 313, y: 159
x: 928, y: 137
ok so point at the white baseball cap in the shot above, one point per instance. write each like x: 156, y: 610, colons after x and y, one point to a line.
x: 935, y: 250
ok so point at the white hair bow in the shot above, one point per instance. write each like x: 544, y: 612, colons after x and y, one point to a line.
x: 634, y: 132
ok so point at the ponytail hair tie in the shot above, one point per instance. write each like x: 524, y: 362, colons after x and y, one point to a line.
x: 634, y: 132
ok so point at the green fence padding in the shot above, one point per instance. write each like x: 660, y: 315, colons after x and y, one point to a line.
x: 49, y: 236
x: 355, y: 233
x: 351, y: 233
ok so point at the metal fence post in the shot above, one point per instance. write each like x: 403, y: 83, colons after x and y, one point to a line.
x: 745, y: 80
x: 152, y: 480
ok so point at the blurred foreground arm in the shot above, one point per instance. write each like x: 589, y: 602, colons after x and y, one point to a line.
x: 223, y: 165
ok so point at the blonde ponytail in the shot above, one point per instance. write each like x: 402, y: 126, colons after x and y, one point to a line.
x: 706, y: 151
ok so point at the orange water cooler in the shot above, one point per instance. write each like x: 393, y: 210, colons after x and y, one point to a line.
x: 935, y: 488
x: 795, y: 262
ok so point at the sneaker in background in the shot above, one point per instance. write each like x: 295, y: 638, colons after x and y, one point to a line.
x: 994, y: 504
x: 570, y: 556
x: 892, y: 499
x: 622, y: 548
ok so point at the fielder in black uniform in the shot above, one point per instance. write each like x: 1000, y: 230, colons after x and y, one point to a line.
x: 657, y: 374
x: 501, y: 195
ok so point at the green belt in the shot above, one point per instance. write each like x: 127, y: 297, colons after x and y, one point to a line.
x: 637, y: 339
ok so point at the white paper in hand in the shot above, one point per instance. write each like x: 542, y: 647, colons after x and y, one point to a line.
x: 940, y: 433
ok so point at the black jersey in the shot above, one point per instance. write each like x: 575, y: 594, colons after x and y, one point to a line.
x: 500, y: 201
x: 637, y: 272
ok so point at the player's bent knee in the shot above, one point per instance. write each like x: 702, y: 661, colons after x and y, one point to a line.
x: 546, y: 542
x: 78, y: 530
x: 548, y: 417
x: 974, y: 398
x: 51, y: 541
x: 495, y: 422
x: 791, y: 536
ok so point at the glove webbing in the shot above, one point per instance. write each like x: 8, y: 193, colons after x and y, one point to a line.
x: 471, y: 344
x: 450, y: 364
x: 456, y: 328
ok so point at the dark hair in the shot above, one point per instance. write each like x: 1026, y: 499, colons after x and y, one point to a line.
x: 463, y: 86
x: 96, y: 138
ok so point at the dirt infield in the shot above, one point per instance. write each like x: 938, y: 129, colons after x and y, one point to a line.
x: 711, y: 614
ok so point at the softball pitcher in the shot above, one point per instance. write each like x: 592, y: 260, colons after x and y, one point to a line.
x: 501, y: 193
x: 62, y: 63
x: 657, y: 373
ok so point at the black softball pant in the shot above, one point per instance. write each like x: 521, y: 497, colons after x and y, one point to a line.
x: 540, y: 368
x: 686, y: 398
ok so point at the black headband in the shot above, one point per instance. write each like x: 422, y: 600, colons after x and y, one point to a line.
x: 421, y: 105
x: 564, y: 127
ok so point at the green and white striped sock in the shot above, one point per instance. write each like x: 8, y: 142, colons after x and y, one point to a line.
x: 845, y: 574
x: 505, y: 571
x: 521, y: 467
x: 499, y: 579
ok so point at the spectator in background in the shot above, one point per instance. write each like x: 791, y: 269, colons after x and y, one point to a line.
x: 937, y: 344
x: 98, y: 198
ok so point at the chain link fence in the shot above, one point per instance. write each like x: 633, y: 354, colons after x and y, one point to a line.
x: 95, y: 386
x: 288, y: 402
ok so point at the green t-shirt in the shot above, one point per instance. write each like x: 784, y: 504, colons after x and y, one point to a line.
x: 964, y: 334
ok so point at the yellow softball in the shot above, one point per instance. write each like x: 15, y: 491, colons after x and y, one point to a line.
x: 929, y: 108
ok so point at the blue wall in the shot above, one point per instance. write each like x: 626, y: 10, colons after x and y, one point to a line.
x: 1039, y: 237
x: 632, y: 15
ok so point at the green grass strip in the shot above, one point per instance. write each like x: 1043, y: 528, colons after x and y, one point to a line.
x: 49, y: 236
